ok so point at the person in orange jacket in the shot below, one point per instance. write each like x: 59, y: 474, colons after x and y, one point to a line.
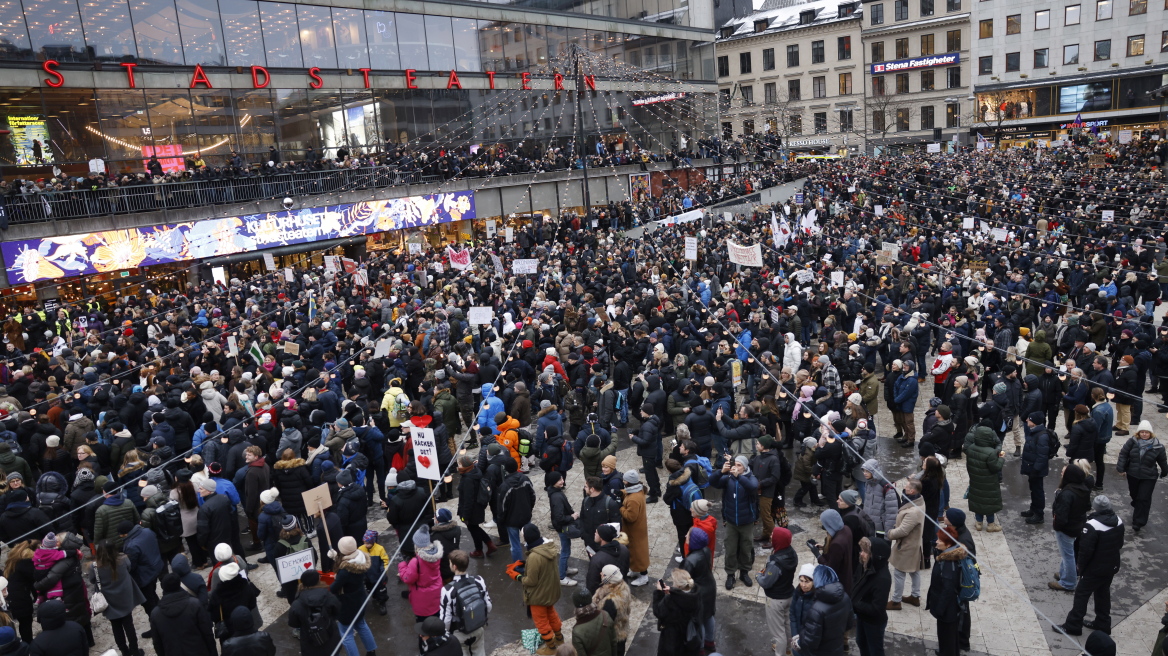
x: 700, y: 509
x: 508, y: 436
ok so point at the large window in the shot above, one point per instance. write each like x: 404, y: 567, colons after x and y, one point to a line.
x: 281, y: 35
x: 878, y: 88
x: 927, y: 117
x: 1103, y: 50
x: 902, y: 82
x: 985, y: 29
x: 902, y: 119
x: 1103, y: 9
x: 1042, y: 58
x: 316, y: 36
x: 817, y: 54
x: 794, y: 91
x: 156, y: 26
x: 845, y: 84
x: 723, y: 66
x: 927, y: 83
x: 768, y: 59
x: 381, y: 29
x: 902, y: 48
x: 793, y: 56
x: 770, y: 93
x: 1092, y: 97
x: 953, y: 5
x: 819, y: 86
x: 108, y: 29
x: 876, y: 12
x: 843, y: 47
x: 744, y: 63
x: 926, y: 8
x: 846, y: 120
x: 796, y: 124
x: 878, y: 120
x: 1042, y: 19
x: 820, y: 122
x: 1135, y: 46
x: 1137, y: 7
x: 901, y: 10
x: 55, y: 30
x: 1014, y: 24
x: 952, y: 115
x: 877, y: 51
x: 1164, y: 41
x: 953, y: 77
x: 927, y: 45
x: 985, y: 65
x: 747, y: 95
x: 953, y: 41
x: 1013, y: 62
x: 349, y: 34
x: 1071, y: 54
x: 1071, y: 14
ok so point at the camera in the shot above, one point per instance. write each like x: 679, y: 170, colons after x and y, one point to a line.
x: 288, y: 202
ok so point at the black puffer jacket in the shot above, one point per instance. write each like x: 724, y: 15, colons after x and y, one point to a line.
x: 825, y: 624
x: 58, y: 636
x: 1147, y: 463
x: 181, y: 626
x: 870, y: 591
x: 1071, y: 502
x: 1081, y: 440
x: 247, y: 641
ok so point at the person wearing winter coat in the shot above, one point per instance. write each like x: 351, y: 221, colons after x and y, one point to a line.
x: 837, y: 551
x: 1082, y: 436
x: 906, y: 550
x: 1036, y: 465
x: 213, y: 401
x: 113, y: 510
x: 870, y: 595
x: 422, y: 574
x: 823, y: 630
x: 635, y: 525
x: 59, y: 636
x: 615, y: 598
x: 232, y: 591
x: 314, y: 598
x: 180, y: 625
x: 940, y: 434
x: 881, y: 503
x: 145, y: 560
x: 1103, y: 414
x: 11, y: 644
x: 349, y: 588
x: 1142, y: 461
x: 1099, y: 559
x: 245, y: 639
x: 20, y: 520
x: 59, y: 576
x: 409, y: 508
x: 110, y: 574
x: 563, y: 519
x: 595, y: 632
x: 472, y: 511
x: 904, y: 398
x: 218, y: 522
x: 944, y: 601
x: 448, y: 533
x: 983, y: 461
x: 1072, y: 501
x: 648, y: 441
x: 351, y: 505
x: 739, y: 514
x: 291, y: 476
x: 515, y: 501
x: 192, y: 583
x: 784, y: 561
x: 541, y: 586
x: 675, y: 606
x: 767, y: 465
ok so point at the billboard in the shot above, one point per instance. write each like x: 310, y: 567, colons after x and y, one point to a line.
x: 31, y: 260
x: 30, y: 139
x: 929, y: 61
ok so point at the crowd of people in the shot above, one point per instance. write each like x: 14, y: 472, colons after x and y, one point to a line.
x: 151, y: 445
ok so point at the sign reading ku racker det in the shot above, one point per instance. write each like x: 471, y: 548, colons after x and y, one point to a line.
x: 915, y: 63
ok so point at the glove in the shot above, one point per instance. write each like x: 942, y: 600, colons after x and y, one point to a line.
x: 513, y: 570
x: 332, y: 554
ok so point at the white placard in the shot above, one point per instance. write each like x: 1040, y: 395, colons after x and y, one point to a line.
x: 289, y: 275
x: 490, y: 229
x: 1108, y: 215
x: 727, y: 216
x: 1000, y: 234
x: 837, y: 278
x: 425, y: 453
x: 691, y: 248
x: 415, y: 248
x: 804, y: 276
x: 498, y: 264
x: 774, y: 315
x: 361, y: 278
x: 684, y: 217
x: 1125, y: 136
x: 330, y: 262
x: 525, y: 266
x: 480, y: 316
x: 269, y: 262
x: 290, y: 567
x: 745, y: 255
x: 232, y: 347
x: 852, y: 189
x: 438, y: 267
x: 933, y: 148
x: 383, y: 348
x: 879, y: 210
x: 219, y: 275
x: 509, y: 234
x: 967, y: 223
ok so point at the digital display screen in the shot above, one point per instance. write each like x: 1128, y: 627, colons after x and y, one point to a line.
x: 1093, y: 97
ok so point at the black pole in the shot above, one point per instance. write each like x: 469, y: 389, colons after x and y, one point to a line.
x: 583, y: 143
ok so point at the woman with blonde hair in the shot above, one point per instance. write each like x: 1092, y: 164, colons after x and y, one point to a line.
x: 614, y: 597
x: 131, y: 466
x: 676, y: 607
x: 21, y: 574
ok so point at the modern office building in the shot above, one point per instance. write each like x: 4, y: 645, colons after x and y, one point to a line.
x: 794, y: 70
x: 1041, y: 70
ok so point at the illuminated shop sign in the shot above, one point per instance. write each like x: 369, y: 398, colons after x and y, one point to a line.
x: 71, y: 255
x: 806, y: 143
x: 1101, y: 123
x: 652, y: 100
x: 915, y: 63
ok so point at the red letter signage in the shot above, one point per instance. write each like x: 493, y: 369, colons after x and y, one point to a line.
x: 453, y: 82
x: 525, y: 79
x: 559, y: 80
x: 130, y: 73
x: 411, y: 78
x: 314, y: 73
x: 256, y: 71
x: 200, y: 77
x: 50, y: 67
x: 491, y: 78
x: 590, y: 82
x: 365, y: 72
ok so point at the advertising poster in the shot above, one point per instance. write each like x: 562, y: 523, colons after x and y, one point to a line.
x: 30, y: 260
x: 169, y: 156
x: 639, y: 187
x: 30, y: 140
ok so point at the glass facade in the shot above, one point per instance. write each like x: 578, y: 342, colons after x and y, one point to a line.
x: 124, y: 126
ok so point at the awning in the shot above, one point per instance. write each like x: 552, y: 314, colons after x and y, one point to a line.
x: 286, y: 250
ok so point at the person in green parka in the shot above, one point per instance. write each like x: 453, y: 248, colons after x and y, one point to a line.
x: 1037, y: 352
x: 983, y: 461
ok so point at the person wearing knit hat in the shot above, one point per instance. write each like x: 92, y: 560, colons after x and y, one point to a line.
x: 1142, y: 460
x: 541, y: 586
x: 1128, y: 386
x: 1099, y: 558
x: 739, y: 514
x: 352, y: 567
x: 422, y: 573
x: 635, y: 525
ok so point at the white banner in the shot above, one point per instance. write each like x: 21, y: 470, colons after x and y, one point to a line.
x: 999, y: 234
x: 289, y: 275
x: 415, y: 247
x: 269, y: 262
x: 458, y: 259
x: 784, y: 236
x: 879, y: 210
x: 745, y: 255
x: 804, y: 276
x: 691, y: 248
x: 1108, y: 215
x: 933, y: 148
x: 383, y: 348
x: 332, y: 263
x: 684, y: 217
x: 775, y: 228
x: 361, y: 278
x: 290, y: 567
x: 480, y: 316
x: 425, y: 453
x: 509, y: 234
x: 490, y: 229
x: 525, y: 266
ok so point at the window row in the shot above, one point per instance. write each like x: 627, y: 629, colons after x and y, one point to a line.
x: 1114, y: 94
x: 900, y: 10
x: 927, y: 77
x: 794, y: 90
x: 901, y: 119
x: 1072, y: 15
x: 928, y: 46
x: 843, y: 50
x: 1100, y: 52
x: 286, y: 35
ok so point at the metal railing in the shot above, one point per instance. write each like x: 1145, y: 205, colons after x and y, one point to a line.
x: 150, y: 197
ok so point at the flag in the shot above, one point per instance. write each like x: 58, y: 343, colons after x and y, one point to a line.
x: 1078, y: 122
x: 256, y: 354
x: 784, y: 234
x: 311, y: 308
x: 775, y: 228
x: 48, y: 208
x: 458, y: 259
x: 981, y: 138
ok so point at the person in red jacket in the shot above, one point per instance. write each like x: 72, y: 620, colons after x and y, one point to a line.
x: 942, y: 365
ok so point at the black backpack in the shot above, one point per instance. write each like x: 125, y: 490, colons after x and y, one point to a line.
x: 319, y: 628
x: 168, y: 522
x: 470, y: 604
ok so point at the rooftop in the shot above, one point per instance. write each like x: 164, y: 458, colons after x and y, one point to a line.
x: 782, y: 15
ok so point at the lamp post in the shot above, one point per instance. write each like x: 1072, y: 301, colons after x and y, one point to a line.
x: 580, y: 120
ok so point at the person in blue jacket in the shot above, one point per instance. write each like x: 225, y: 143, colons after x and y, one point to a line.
x: 491, y: 405
x: 904, y: 397
x: 740, y: 513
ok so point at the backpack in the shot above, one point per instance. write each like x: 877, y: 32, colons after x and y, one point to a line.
x: 401, y: 407
x: 470, y: 605
x: 622, y: 409
x: 970, y: 580
x: 483, y: 493
x: 168, y: 522
x: 556, y: 459
x: 690, y: 493
x: 701, y: 473
x: 526, y: 441
x: 319, y: 628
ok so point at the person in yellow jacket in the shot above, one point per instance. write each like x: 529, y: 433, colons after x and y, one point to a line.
x: 376, y: 553
x: 391, y: 405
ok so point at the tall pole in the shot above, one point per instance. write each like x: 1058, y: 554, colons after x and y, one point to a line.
x: 580, y: 121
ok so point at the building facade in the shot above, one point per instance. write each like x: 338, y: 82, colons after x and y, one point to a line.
x: 793, y: 71
x: 916, y: 70
x: 111, y: 83
x: 1042, y: 70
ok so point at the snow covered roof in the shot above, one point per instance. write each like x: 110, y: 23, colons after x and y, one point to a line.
x: 786, y: 14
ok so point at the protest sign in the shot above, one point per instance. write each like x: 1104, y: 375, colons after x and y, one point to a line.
x: 425, y: 453
x: 480, y: 316
x: 525, y: 266
x: 745, y: 255
x: 691, y: 248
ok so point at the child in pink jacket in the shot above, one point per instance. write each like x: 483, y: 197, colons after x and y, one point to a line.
x: 423, y: 575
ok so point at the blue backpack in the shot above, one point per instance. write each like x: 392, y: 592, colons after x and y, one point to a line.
x: 622, y: 409
x: 701, y: 475
x: 970, y: 580
x: 689, y: 494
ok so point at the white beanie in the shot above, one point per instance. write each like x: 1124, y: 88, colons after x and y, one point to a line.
x: 223, y: 552
x: 855, y: 398
x: 550, y: 350
x: 268, y: 496
x: 228, y: 571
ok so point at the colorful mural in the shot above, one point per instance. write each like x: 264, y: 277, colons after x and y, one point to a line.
x: 31, y: 260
